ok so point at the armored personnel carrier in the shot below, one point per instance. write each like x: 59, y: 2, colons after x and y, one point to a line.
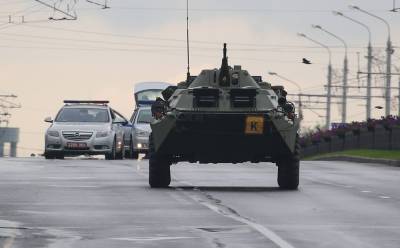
x: 224, y: 116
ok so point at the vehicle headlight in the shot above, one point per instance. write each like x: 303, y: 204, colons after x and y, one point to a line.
x: 142, y: 133
x: 53, y: 133
x: 102, y: 134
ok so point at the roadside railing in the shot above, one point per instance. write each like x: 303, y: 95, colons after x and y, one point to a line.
x: 382, y: 134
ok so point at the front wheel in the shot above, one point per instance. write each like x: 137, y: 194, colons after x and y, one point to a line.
x: 289, y: 169
x: 135, y: 155
x: 121, y: 154
x: 288, y: 174
x: 112, y: 154
x: 159, y: 168
x: 53, y: 155
x: 49, y: 156
x: 129, y: 152
x: 60, y: 156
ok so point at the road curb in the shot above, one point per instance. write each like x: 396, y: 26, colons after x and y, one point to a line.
x: 356, y: 159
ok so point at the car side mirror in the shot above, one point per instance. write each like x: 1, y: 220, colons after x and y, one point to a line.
x: 48, y: 119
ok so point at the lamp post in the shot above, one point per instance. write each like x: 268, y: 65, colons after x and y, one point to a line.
x: 298, y: 87
x: 389, y: 51
x: 328, y: 100
x: 369, y: 60
x: 345, y: 71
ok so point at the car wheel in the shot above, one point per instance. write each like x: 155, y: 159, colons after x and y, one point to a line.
x: 129, y: 152
x: 48, y: 156
x: 111, y: 155
x: 121, y: 154
x: 135, y: 155
x: 60, y: 156
x: 159, y: 168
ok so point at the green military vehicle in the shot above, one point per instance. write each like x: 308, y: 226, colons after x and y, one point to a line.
x: 224, y: 116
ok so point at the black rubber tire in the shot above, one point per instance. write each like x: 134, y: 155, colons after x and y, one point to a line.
x: 112, y: 154
x: 135, y: 155
x: 59, y: 156
x: 129, y: 152
x: 121, y: 154
x: 49, y: 156
x: 159, y: 168
x: 54, y: 155
x: 288, y: 174
x: 289, y: 170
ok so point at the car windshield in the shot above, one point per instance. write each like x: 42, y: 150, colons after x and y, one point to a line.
x: 145, y: 116
x: 148, y: 95
x: 83, y: 115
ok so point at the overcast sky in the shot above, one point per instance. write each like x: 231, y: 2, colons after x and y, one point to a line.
x: 105, y: 52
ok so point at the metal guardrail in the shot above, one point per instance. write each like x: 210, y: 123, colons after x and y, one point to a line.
x: 379, y: 138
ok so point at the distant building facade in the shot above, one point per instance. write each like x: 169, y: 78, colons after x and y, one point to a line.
x: 9, y: 135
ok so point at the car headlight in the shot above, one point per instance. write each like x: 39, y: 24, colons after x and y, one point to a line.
x: 142, y: 133
x: 102, y: 134
x: 53, y: 133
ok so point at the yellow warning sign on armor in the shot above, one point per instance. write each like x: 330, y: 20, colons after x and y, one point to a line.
x: 254, y: 125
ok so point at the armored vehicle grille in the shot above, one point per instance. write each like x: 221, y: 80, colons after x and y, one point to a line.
x: 77, y: 136
x: 243, y: 98
x: 206, y: 97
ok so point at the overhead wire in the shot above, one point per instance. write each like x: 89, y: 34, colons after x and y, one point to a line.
x: 173, y: 39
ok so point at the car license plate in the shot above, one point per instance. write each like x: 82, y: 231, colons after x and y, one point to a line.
x: 75, y: 145
x: 254, y: 125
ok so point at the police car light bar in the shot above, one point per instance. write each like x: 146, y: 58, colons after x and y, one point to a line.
x: 85, y: 102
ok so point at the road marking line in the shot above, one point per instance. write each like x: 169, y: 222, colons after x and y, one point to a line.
x: 269, y: 234
x: 71, y: 186
x: 9, y: 242
x: 69, y: 178
x: 384, y: 197
x: 152, y: 238
x: 175, y: 195
x: 12, y: 231
x: 366, y: 191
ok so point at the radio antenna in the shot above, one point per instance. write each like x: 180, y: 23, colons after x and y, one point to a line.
x: 187, y: 41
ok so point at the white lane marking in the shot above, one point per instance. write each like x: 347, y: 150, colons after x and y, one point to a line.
x: 258, y: 227
x: 384, y: 197
x: 64, y: 238
x: 152, y: 238
x: 71, y: 186
x: 9, y: 242
x: 10, y: 233
x: 366, y: 191
x: 179, y: 199
x: 69, y: 178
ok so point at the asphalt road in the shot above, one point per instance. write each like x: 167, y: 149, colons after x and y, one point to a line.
x: 98, y: 203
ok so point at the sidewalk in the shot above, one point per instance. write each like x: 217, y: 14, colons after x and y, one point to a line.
x: 359, y: 160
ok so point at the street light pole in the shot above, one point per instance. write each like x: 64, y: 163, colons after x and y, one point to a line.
x: 389, y: 51
x: 345, y: 71
x: 369, y: 61
x: 398, y: 100
x: 329, y: 90
x: 298, y: 87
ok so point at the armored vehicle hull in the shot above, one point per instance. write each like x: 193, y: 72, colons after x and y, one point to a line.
x: 224, y: 116
x: 217, y: 137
